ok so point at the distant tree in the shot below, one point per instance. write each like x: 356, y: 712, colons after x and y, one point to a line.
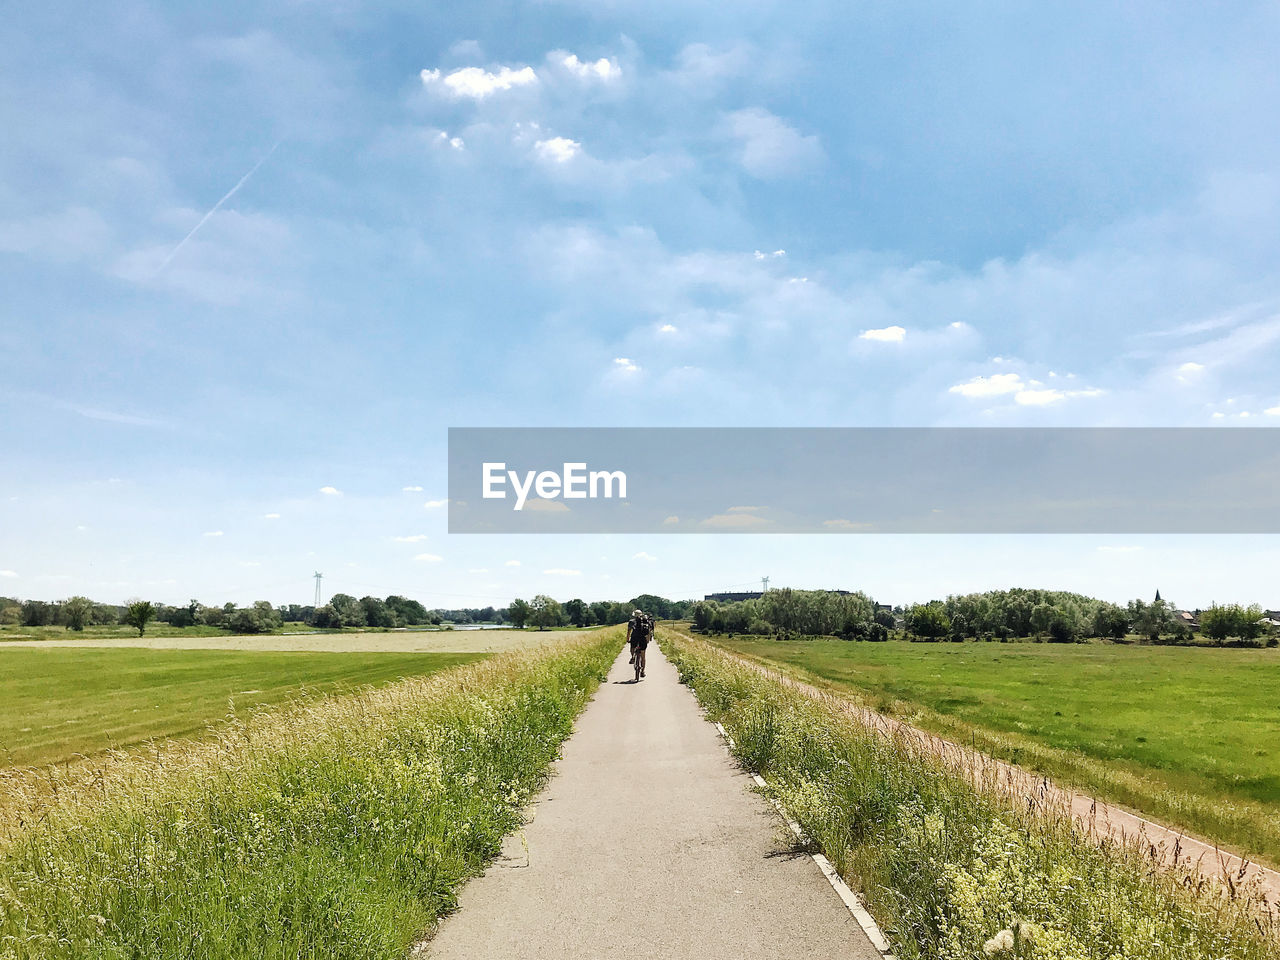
x: 578, y: 612
x: 885, y: 618
x: 76, y: 612
x: 1110, y: 622
x: 262, y: 617
x: 1218, y: 622
x: 138, y: 614
x: 407, y: 612
x: 1152, y: 620
x: 376, y: 613
x: 348, y: 610
x: 519, y: 613
x: 928, y: 620
x: 657, y: 607
x: 36, y: 613
x: 1062, y: 629
x: 544, y: 612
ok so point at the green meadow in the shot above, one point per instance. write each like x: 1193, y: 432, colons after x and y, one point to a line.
x: 1188, y: 736
x: 59, y: 702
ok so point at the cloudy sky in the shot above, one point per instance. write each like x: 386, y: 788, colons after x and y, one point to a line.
x: 256, y: 258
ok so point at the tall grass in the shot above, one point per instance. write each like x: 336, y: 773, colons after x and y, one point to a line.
x: 955, y: 867
x: 342, y: 829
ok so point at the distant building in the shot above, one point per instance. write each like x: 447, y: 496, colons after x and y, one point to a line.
x: 1188, y: 618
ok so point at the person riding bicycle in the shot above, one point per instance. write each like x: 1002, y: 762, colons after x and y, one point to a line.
x: 639, y: 633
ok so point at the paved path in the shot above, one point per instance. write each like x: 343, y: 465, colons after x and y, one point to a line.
x: 649, y: 844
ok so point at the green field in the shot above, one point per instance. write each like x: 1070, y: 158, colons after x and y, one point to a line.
x: 58, y: 702
x: 1190, y: 737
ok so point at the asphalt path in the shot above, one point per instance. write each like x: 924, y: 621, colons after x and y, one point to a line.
x: 649, y: 843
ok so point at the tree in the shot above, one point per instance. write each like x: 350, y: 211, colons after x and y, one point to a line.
x: 76, y: 612
x: 1218, y: 622
x: 138, y: 614
x: 347, y: 609
x: 1110, y: 621
x: 928, y: 620
x: 376, y: 613
x: 544, y: 612
x: 408, y: 612
x: 519, y: 613
x: 36, y: 613
x: 262, y: 617
x: 578, y: 612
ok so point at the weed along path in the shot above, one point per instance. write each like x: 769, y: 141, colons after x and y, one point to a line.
x: 648, y: 843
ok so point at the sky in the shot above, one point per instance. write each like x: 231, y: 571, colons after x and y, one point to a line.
x: 257, y: 258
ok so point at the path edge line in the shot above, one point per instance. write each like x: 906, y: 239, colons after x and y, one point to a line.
x: 853, y: 903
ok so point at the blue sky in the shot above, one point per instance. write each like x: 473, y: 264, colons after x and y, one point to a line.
x: 607, y: 213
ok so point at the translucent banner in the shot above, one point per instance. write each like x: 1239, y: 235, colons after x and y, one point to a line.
x: 864, y: 480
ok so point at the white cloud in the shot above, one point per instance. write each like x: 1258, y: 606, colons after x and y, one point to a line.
x: 842, y: 524
x: 477, y: 83
x: 434, y: 504
x: 671, y: 520
x: 414, y: 538
x: 644, y: 556
x: 603, y: 69
x: 759, y: 255
x: 411, y: 489
x: 562, y: 572
x: 8, y: 573
x: 992, y: 386
x: 769, y: 147
x: 734, y: 521
x: 558, y: 149
x: 271, y: 516
x: 512, y: 563
x: 539, y: 505
x: 478, y: 570
x: 884, y: 335
x: 1189, y: 371
x: 1272, y: 411
x: 624, y: 365
x: 213, y: 533
x: 1038, y: 397
x: 453, y: 143
x: 331, y: 491
x: 429, y: 557
x: 668, y: 328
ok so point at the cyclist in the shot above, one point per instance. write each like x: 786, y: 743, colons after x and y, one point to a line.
x: 639, y: 633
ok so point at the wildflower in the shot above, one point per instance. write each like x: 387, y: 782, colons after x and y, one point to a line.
x: 1002, y: 942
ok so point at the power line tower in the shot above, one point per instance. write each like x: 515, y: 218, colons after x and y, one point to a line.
x: 764, y: 582
x: 319, y: 577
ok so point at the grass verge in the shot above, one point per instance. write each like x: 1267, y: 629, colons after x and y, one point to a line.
x: 341, y: 829
x: 953, y: 871
x: 1178, y: 734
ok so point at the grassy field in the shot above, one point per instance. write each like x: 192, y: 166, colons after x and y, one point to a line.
x: 340, y: 829
x: 368, y: 641
x: 955, y: 871
x: 1188, y: 736
x: 56, y: 702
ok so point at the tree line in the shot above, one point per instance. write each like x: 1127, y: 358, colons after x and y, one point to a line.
x: 786, y: 611
x: 342, y: 611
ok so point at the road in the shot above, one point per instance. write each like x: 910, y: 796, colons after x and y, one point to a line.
x: 648, y: 843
